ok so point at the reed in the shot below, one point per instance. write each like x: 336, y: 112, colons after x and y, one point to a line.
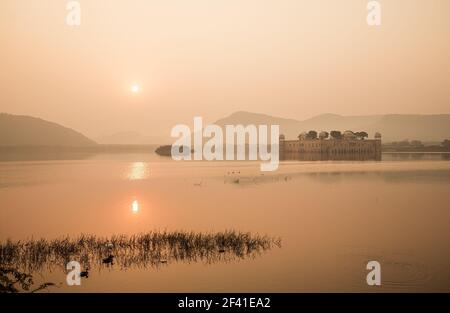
x: 150, y: 249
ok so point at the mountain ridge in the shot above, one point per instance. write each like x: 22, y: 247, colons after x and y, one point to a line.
x: 24, y: 130
x: 131, y: 137
x: 393, y: 127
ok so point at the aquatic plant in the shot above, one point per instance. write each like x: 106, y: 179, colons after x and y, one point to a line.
x: 13, y: 281
x: 140, y: 250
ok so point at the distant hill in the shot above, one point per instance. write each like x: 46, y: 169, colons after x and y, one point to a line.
x: 131, y: 138
x: 393, y: 127
x: 20, y: 130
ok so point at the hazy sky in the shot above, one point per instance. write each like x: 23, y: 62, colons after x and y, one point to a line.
x: 289, y: 58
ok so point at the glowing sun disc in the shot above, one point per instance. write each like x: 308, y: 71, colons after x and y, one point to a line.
x: 135, y: 88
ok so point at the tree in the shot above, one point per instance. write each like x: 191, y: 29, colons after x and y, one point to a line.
x: 312, y: 134
x: 303, y: 136
x: 403, y: 143
x: 361, y: 135
x: 335, y: 134
x: 446, y: 143
x: 323, y: 135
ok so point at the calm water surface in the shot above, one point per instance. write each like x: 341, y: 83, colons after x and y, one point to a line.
x: 332, y: 217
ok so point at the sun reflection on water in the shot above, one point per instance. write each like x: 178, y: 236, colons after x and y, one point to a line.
x: 135, y: 206
x: 138, y: 171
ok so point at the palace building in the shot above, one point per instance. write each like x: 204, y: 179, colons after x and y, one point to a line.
x: 335, y: 146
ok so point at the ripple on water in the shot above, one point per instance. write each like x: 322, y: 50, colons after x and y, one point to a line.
x: 400, y: 271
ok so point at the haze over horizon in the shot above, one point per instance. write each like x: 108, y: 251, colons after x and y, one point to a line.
x: 325, y: 169
x: 145, y: 66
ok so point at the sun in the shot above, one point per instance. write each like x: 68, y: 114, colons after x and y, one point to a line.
x: 135, y: 88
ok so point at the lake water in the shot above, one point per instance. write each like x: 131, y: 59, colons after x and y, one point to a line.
x: 332, y: 217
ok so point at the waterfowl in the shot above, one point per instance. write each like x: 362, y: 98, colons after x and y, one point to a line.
x: 85, y: 273
x: 108, y: 260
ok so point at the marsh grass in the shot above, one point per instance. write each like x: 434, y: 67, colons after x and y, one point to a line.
x: 150, y: 249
